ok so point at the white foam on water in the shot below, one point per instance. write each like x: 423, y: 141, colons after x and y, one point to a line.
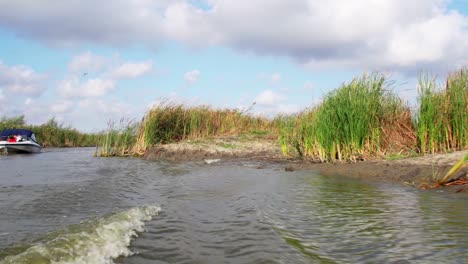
x: 209, y: 161
x: 96, y: 241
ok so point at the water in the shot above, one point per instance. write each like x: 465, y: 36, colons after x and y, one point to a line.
x: 64, y: 206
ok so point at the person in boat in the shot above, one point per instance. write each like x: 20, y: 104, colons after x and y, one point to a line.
x: 15, y: 138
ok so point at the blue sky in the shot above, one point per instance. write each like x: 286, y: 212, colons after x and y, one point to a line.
x: 87, y: 62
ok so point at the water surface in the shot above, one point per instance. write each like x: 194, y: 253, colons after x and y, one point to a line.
x: 66, y: 206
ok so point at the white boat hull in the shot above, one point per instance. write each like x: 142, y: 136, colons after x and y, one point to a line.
x: 20, y: 147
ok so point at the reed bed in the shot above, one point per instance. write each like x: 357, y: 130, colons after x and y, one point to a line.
x: 52, y: 134
x: 118, y: 140
x: 350, y: 123
x: 442, y: 119
x: 175, y: 122
x: 361, y: 119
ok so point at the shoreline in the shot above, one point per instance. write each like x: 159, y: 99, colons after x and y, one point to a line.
x: 414, y: 171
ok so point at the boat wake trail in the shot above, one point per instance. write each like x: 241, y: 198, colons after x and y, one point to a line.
x: 96, y: 241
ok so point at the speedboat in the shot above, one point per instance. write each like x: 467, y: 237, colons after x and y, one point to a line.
x: 19, y: 141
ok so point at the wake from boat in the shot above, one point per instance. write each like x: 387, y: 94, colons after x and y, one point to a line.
x: 96, y: 241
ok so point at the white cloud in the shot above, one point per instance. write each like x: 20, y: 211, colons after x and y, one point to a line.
x: 87, y: 62
x: 20, y: 79
x: 61, y: 107
x: 105, y: 74
x: 192, y: 77
x: 132, y: 69
x: 375, y: 34
x: 268, y: 97
x: 78, y: 22
x: 73, y: 87
x: 287, y: 108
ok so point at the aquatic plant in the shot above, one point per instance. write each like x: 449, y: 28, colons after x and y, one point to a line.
x: 350, y: 122
x: 442, y: 119
x: 51, y: 133
x: 297, y: 133
x: 174, y: 122
x: 118, y: 140
x: 457, y: 109
x: 12, y: 122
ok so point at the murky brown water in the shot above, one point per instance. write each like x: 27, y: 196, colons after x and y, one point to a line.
x: 64, y: 205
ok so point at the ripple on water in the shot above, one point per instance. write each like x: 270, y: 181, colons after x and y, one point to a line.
x: 229, y: 213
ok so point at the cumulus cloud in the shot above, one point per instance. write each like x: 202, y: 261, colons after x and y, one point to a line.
x: 268, y: 97
x: 376, y: 34
x: 61, y: 107
x: 192, y: 77
x: 20, y: 79
x: 87, y: 62
x: 132, y: 70
x: 73, y: 87
x: 81, y: 21
x: 105, y: 74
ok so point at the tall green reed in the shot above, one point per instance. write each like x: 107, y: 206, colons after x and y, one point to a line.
x: 348, y: 122
x: 118, y: 140
x: 347, y: 125
x: 174, y: 122
x: 457, y: 92
x: 442, y: 118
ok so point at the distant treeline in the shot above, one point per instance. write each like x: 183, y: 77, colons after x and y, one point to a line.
x: 52, y: 134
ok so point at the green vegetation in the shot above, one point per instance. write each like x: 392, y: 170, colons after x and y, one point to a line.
x: 355, y: 121
x: 52, y: 134
x: 361, y: 119
x: 365, y: 119
x: 118, y: 140
x: 442, y: 119
x: 172, y: 123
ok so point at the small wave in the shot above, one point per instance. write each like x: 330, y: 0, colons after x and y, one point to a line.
x: 94, y: 241
x: 209, y: 161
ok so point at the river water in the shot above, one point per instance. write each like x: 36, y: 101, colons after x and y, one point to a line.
x: 65, y: 206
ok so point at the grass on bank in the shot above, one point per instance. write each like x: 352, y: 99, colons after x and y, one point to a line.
x: 442, y: 119
x: 175, y: 122
x: 118, y: 140
x: 361, y: 119
x: 356, y: 121
x: 52, y: 134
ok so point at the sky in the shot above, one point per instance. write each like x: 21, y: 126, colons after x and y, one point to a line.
x: 90, y: 62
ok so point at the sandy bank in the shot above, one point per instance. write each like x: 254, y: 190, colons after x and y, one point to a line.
x: 218, y: 148
x: 412, y: 171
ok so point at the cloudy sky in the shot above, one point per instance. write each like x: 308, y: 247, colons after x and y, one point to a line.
x: 87, y: 62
